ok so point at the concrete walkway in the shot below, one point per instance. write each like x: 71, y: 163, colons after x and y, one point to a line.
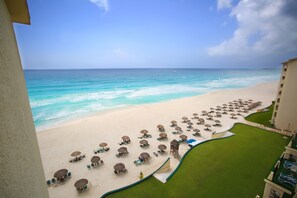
x: 261, y: 126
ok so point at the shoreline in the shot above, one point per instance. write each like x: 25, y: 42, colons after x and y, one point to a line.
x: 87, y: 133
x: 43, y: 129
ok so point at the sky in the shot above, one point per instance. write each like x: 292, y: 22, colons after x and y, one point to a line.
x: 73, y: 34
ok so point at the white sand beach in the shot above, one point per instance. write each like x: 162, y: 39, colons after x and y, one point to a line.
x: 85, y: 135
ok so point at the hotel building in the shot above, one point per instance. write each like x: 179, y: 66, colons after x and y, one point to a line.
x: 21, y: 170
x: 284, y: 116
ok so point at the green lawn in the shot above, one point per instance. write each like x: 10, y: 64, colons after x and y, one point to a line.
x: 231, y: 167
x: 262, y: 117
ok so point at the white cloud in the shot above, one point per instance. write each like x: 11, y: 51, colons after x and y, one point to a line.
x: 264, y: 27
x: 102, y: 4
x: 221, y: 4
x: 121, y: 52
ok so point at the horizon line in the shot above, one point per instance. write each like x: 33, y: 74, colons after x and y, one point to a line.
x: 115, y: 68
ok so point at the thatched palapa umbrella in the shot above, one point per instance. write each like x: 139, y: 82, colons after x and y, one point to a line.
x: 161, y: 127
x: 144, y: 131
x: 200, y: 121
x: 119, y: 167
x: 204, y: 112
x: 62, y: 173
x: 123, y: 149
x: 162, y: 147
x: 75, y: 153
x: 177, y: 128
x: 207, y: 126
x: 125, y: 138
x: 95, y: 159
x: 195, y: 115
x: 103, y: 144
x: 80, y: 184
x: 145, y: 156
x: 143, y: 142
x: 163, y: 135
x: 183, y: 137
x: 185, y: 119
x: 196, y: 130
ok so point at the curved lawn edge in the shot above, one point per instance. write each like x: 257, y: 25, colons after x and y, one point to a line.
x: 175, y: 170
x: 135, y: 183
x: 185, y: 155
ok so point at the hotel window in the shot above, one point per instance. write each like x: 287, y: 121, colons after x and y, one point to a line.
x: 282, y: 85
x: 283, y: 78
x: 275, y: 114
x: 276, y: 107
x: 280, y: 92
x: 278, y: 100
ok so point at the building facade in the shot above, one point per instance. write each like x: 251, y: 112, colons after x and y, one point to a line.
x: 284, y: 116
x: 21, y: 170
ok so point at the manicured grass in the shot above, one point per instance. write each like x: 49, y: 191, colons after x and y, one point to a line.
x: 230, y: 167
x: 262, y: 117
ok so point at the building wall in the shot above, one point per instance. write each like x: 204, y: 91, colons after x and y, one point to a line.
x: 285, y: 109
x: 21, y: 169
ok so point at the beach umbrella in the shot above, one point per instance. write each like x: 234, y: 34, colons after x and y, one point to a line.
x: 210, y: 116
x: 190, y: 123
x: 211, y: 108
x: 103, y: 144
x: 143, y: 142
x: 160, y: 126
x: 75, y: 153
x: 183, y: 137
x: 207, y: 126
x: 162, y: 147
x: 125, y: 138
x: 218, y: 107
x: 163, y: 135
x: 204, y: 112
x: 80, y: 184
x: 61, y: 173
x: 185, y: 118
x: 195, y: 115
x: 144, y: 131
x: 144, y: 155
x: 119, y: 166
x: 196, y: 130
x: 200, y: 120
x: 173, y: 122
x: 95, y: 159
x: 217, y: 121
x: 218, y: 113
x: 178, y: 128
x: 122, y: 149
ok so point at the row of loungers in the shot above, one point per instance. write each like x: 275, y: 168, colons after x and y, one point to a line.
x: 55, y: 181
x: 76, y: 159
x: 101, y: 150
x: 94, y: 165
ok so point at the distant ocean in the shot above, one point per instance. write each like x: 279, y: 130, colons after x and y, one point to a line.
x: 59, y: 95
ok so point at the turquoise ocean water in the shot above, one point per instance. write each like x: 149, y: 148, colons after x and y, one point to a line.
x: 59, y: 95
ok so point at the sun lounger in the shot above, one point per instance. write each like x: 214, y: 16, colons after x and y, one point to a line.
x: 49, y: 182
x: 174, y: 132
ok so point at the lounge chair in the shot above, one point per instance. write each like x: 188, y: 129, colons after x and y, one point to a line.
x: 155, y: 154
x: 88, y: 166
x: 69, y: 174
x: 48, y: 182
x: 54, y: 180
x: 106, y: 149
x: 101, y: 162
x: 174, y: 132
